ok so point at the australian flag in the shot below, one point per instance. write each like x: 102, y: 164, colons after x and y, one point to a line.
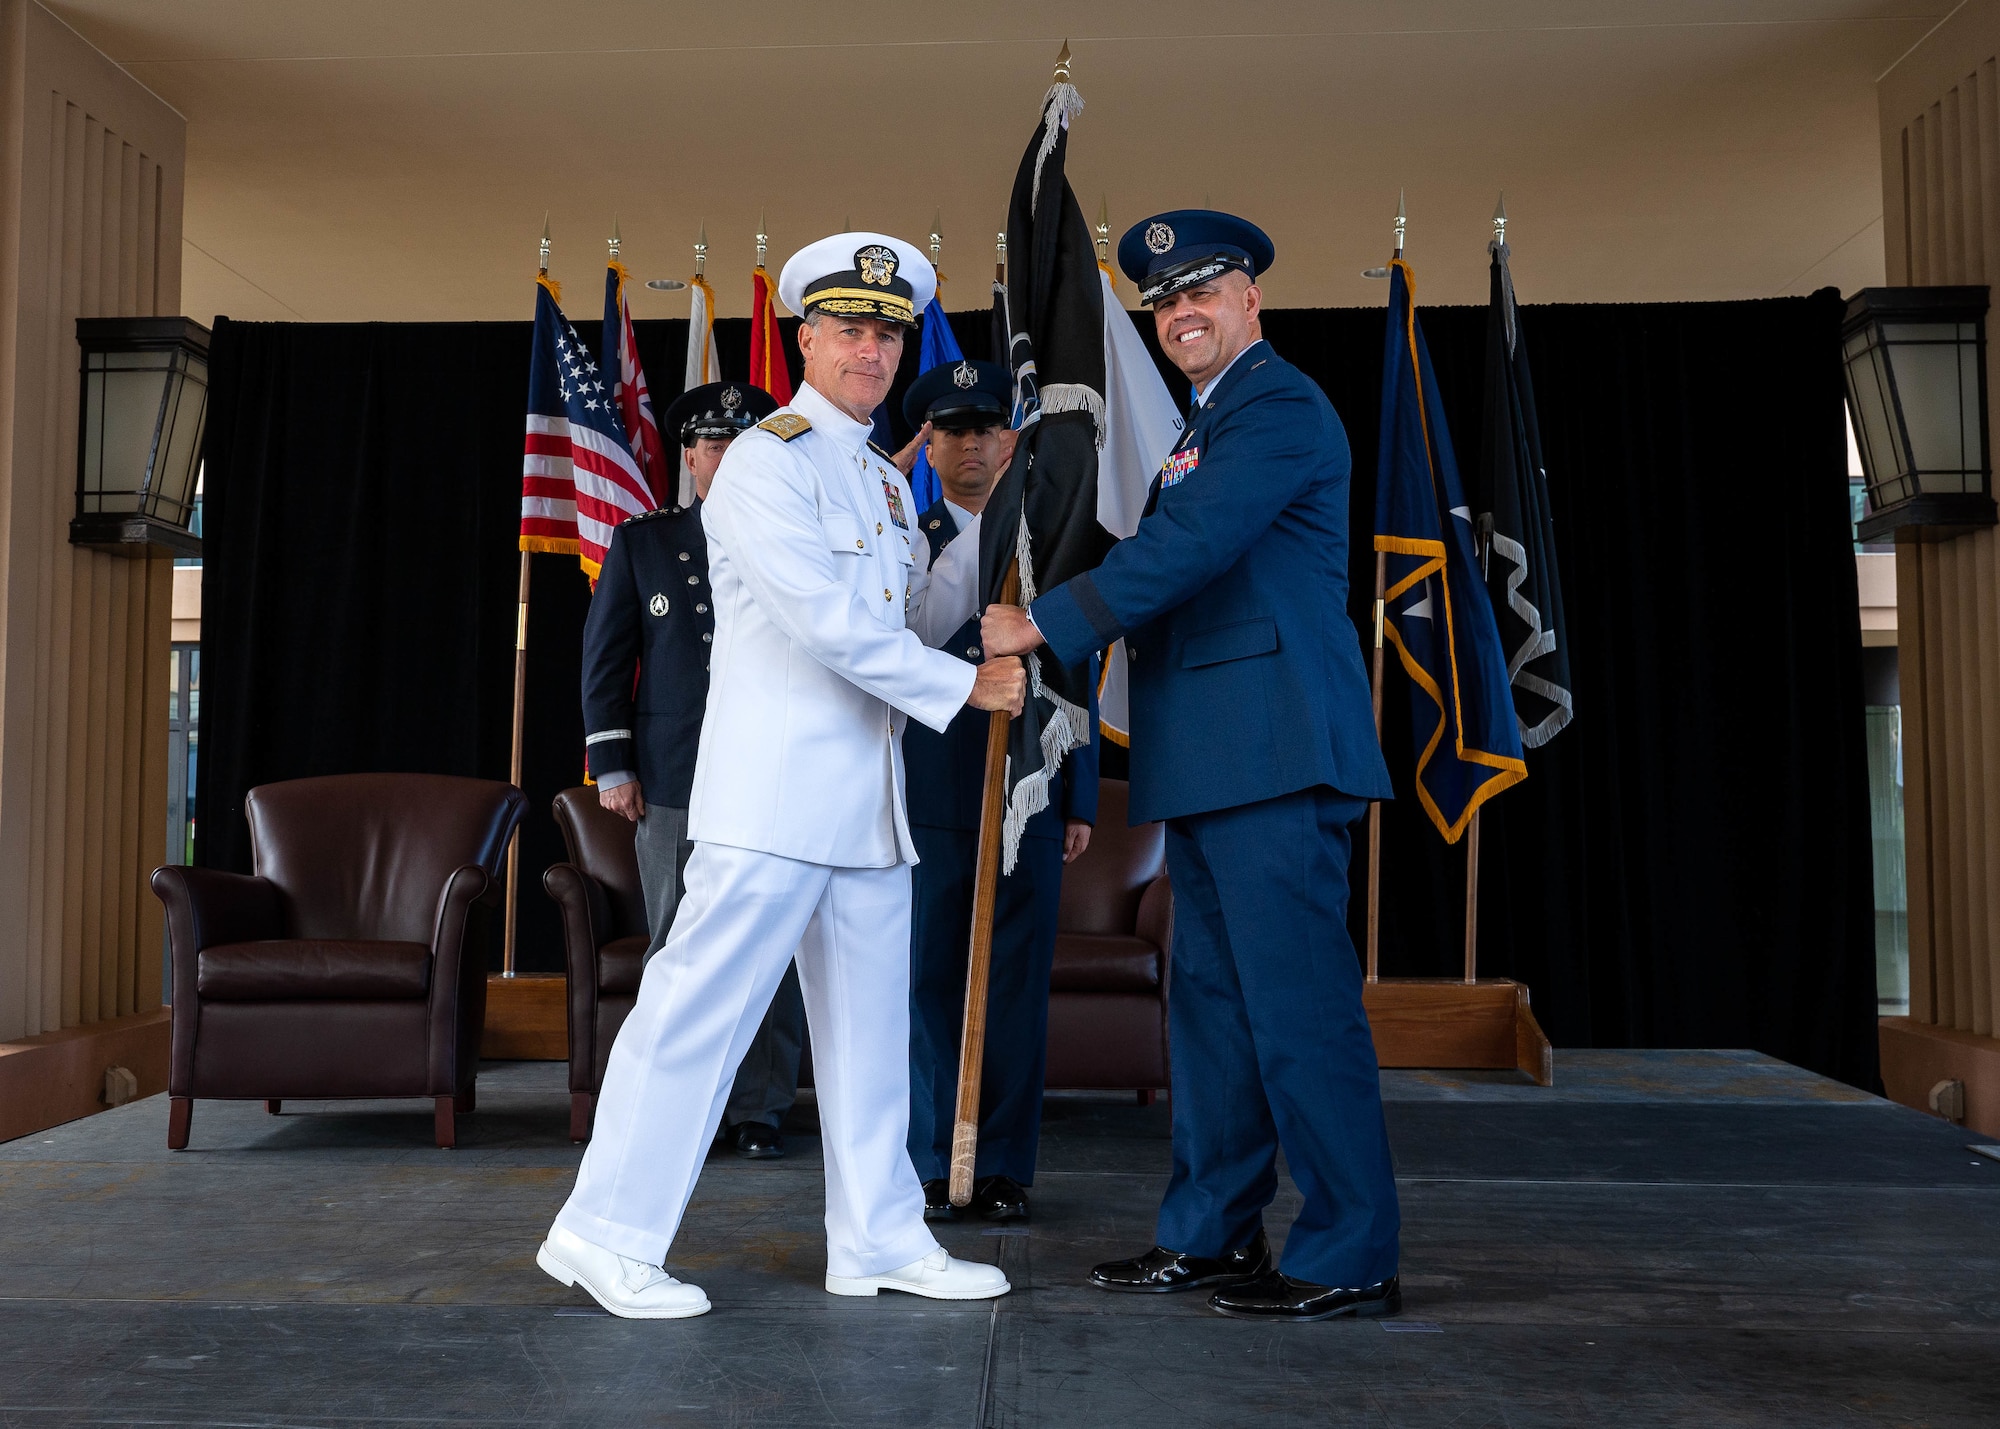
x: 940, y: 345
x: 1516, y: 530
x: 1435, y: 611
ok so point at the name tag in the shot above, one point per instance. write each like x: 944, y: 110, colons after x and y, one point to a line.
x: 895, y: 495
x: 1179, y: 466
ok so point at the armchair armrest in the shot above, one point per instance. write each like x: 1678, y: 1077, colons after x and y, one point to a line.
x: 1156, y: 916
x: 456, y: 1004
x: 207, y: 907
x: 585, y: 910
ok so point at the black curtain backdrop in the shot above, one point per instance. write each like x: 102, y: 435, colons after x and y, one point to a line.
x: 1687, y: 864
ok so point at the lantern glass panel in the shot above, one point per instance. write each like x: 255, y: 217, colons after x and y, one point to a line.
x: 124, y: 392
x: 1875, y: 431
x: 179, y: 453
x: 1936, y: 369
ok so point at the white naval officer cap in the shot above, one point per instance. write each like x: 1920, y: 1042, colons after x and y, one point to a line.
x: 868, y: 275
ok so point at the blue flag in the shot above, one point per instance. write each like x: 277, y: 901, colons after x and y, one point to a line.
x: 1434, y: 606
x: 939, y: 346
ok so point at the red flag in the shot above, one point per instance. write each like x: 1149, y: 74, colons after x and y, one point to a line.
x: 767, y: 342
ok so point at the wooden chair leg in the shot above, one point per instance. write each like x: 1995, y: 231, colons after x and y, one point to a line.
x: 581, y: 1105
x: 274, y: 1106
x: 180, y: 1115
x: 447, y: 1123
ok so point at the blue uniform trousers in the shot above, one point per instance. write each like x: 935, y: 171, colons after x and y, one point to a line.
x: 1017, y: 1001
x: 1271, y: 1045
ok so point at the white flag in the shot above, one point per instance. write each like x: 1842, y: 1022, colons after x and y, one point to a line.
x: 1142, y: 423
x: 703, y: 367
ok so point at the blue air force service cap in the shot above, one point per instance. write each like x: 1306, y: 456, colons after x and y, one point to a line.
x: 960, y: 396
x: 716, y: 409
x: 868, y: 275
x: 1171, y: 251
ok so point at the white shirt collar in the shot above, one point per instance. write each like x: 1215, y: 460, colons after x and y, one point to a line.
x: 959, y: 514
x: 1201, y: 393
x: 832, y: 420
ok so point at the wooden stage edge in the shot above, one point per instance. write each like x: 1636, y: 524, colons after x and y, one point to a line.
x: 1439, y: 1023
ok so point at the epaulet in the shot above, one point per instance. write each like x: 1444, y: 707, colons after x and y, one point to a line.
x: 656, y: 512
x: 889, y: 457
x: 785, y: 426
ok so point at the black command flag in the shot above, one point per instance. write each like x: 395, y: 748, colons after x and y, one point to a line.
x: 1044, y: 509
x: 1516, y: 530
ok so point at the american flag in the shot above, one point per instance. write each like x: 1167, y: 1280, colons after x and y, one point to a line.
x: 579, y: 479
x: 548, y: 482
x: 628, y: 389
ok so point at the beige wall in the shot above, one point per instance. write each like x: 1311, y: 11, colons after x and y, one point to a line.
x: 90, y: 225
x: 1941, y: 202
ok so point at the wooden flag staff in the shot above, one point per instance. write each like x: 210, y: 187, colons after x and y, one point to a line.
x: 521, y: 699
x: 985, y: 892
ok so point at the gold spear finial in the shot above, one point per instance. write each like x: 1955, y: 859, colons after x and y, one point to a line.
x: 613, y: 239
x: 545, y: 243
x: 701, y: 252
x: 1401, y: 223
x: 763, y: 239
x: 1103, y: 229
x: 1062, y: 64
x: 937, y: 234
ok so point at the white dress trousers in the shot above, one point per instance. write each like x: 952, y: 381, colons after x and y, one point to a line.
x: 802, y: 849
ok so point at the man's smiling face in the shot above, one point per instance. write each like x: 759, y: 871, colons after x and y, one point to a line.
x: 1201, y: 329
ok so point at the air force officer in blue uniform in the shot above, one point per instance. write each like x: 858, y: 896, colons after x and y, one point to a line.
x: 1252, y: 737
x: 963, y: 409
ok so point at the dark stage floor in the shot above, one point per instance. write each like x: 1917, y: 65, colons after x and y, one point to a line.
x: 1661, y: 1239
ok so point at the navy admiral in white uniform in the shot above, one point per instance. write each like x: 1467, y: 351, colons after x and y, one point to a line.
x: 1252, y: 737
x: 963, y: 408
x: 802, y: 843
x: 651, y: 609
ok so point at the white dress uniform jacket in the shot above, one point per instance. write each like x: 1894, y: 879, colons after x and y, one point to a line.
x: 814, y: 569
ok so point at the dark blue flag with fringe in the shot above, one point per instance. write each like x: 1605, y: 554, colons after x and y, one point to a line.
x: 1435, y: 611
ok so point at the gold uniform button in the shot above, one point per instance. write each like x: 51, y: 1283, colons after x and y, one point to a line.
x: 878, y: 528
x: 860, y: 545
x: 936, y: 522
x: 886, y: 595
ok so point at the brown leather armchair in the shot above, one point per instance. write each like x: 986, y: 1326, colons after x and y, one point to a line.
x: 1108, y: 988
x: 339, y: 969
x: 604, y: 938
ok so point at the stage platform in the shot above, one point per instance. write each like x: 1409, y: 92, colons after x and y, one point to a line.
x: 1664, y: 1238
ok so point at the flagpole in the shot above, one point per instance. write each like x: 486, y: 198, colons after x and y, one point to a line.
x: 521, y: 701
x: 1375, y: 807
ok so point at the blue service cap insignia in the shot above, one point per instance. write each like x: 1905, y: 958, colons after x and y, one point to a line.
x: 1171, y: 251
x: 960, y: 396
x: 716, y: 409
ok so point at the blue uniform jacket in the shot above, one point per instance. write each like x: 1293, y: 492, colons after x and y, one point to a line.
x: 947, y: 772
x: 646, y: 644
x: 1246, y: 673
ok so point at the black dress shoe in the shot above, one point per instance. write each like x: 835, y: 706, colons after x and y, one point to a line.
x: 937, y: 1201
x: 754, y: 1141
x: 999, y: 1198
x: 1160, y: 1271
x: 1279, y: 1297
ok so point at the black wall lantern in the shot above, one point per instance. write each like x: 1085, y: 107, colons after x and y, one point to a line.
x: 1916, y: 385
x: 138, y: 450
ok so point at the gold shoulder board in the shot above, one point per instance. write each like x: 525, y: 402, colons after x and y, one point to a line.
x: 785, y: 426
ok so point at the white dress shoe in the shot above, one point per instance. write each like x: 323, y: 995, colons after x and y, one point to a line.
x: 626, y: 1287
x: 937, y: 1276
